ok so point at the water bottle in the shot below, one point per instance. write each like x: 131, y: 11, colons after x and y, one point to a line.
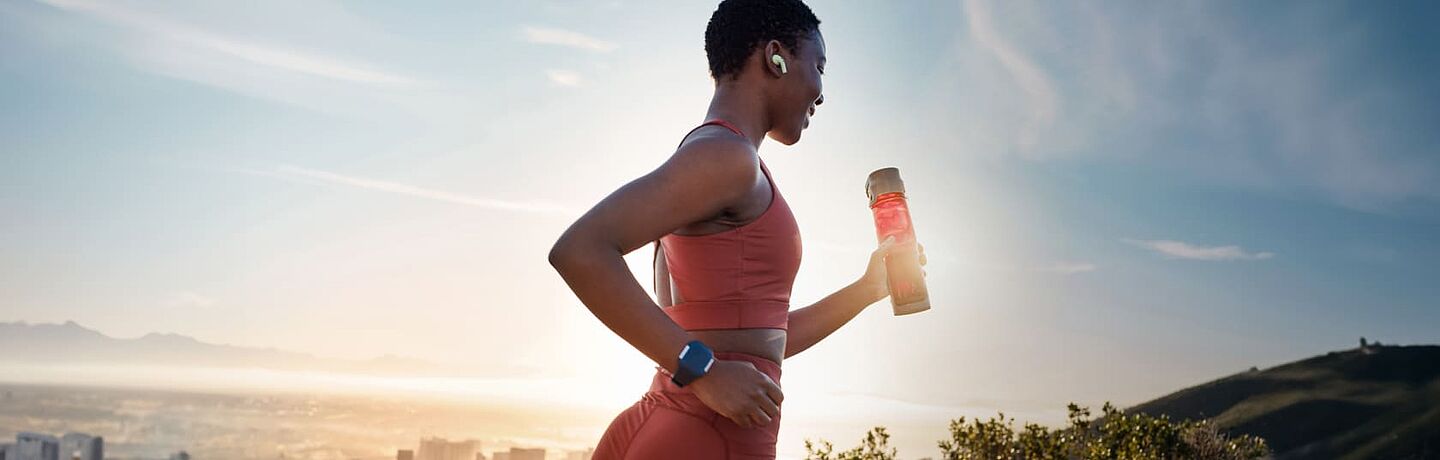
x: 905, y: 280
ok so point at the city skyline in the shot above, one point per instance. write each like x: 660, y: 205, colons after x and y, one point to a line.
x: 30, y: 445
x: 158, y: 424
x: 82, y: 446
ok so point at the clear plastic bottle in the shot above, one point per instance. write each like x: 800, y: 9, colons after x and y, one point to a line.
x: 906, y: 280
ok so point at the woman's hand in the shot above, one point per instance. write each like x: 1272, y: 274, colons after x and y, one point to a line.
x: 874, y: 279
x: 740, y: 392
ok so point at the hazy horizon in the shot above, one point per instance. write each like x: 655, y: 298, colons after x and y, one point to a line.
x: 534, y: 397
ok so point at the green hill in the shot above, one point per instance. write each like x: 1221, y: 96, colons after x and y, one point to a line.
x: 1371, y: 403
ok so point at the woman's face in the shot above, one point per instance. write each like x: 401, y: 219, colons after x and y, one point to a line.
x: 799, y: 90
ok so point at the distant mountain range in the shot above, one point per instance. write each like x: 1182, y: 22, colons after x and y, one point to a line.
x: 71, y: 343
x: 1368, y: 403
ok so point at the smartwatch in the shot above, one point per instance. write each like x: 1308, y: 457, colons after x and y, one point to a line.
x: 695, y: 361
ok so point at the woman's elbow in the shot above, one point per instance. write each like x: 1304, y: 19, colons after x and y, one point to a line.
x: 560, y: 253
x: 577, y: 251
x: 568, y: 250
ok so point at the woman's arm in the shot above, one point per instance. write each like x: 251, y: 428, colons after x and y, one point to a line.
x: 598, y: 275
x: 811, y: 324
x: 699, y: 182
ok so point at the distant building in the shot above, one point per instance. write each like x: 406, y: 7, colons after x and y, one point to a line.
x: 580, y: 454
x: 181, y: 455
x: 36, y: 446
x: 402, y: 454
x: 517, y: 453
x: 442, y: 449
x: 5, y: 451
x: 81, y: 446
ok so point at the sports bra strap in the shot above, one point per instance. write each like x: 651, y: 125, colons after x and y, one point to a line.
x: 726, y: 124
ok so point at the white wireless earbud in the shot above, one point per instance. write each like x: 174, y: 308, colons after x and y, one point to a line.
x: 780, y: 62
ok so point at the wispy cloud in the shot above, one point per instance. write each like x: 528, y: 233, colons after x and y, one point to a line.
x: 536, y: 207
x: 562, y: 37
x: 1257, y: 107
x: 1044, y: 103
x: 1182, y: 250
x: 172, y: 34
x: 563, y: 77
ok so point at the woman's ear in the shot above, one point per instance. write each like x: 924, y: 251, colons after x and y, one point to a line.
x: 776, y: 67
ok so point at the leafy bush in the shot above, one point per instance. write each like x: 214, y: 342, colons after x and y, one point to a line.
x: 1115, y: 435
x: 876, y: 446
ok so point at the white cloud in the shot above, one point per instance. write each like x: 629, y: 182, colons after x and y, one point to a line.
x: 1182, y: 250
x: 562, y: 37
x: 1255, y: 108
x: 537, y: 207
x: 1040, y: 92
x: 170, y: 35
x: 563, y: 77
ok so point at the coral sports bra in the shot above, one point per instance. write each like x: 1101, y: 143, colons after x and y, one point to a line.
x: 738, y: 278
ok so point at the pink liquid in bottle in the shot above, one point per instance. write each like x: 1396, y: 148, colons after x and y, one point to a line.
x: 906, y: 280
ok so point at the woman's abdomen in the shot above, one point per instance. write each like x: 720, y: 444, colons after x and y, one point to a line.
x: 765, y: 343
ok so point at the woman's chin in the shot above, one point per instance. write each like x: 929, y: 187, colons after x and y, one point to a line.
x: 787, y: 139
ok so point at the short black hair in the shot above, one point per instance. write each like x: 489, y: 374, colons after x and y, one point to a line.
x: 738, y: 26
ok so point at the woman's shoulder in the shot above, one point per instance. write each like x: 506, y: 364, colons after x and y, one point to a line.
x: 717, y: 153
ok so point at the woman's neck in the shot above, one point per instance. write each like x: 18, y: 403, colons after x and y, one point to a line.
x: 743, y: 108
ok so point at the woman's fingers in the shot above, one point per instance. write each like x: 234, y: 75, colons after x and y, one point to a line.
x: 772, y: 390
x: 766, y: 400
x: 767, y: 405
x: 885, y: 246
x: 764, y: 410
x: 760, y: 418
x: 884, y: 249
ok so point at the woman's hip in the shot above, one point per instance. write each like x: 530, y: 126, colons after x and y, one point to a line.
x: 671, y: 422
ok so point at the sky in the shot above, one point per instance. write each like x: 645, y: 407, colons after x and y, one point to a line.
x: 1117, y: 200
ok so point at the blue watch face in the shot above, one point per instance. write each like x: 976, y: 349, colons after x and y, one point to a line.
x: 695, y: 361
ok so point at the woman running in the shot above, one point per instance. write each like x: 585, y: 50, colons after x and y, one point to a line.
x: 727, y: 250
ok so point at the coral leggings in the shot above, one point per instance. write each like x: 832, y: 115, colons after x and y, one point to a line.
x: 670, y: 422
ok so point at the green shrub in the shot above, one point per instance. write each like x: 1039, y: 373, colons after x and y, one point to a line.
x: 876, y: 446
x: 1115, y: 435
